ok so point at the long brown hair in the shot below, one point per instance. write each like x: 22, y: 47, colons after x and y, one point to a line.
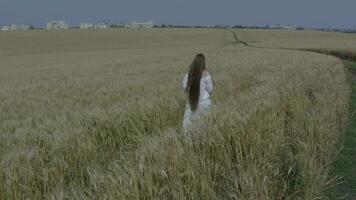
x: 193, y: 87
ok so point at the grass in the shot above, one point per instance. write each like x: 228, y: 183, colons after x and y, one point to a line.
x: 113, y: 130
x: 344, y: 166
x: 347, y: 55
x: 308, y: 39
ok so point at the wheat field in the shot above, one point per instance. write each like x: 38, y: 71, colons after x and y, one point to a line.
x: 98, y: 114
x: 341, y: 45
x: 300, y: 39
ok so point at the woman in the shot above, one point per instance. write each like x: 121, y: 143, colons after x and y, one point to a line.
x: 198, y: 87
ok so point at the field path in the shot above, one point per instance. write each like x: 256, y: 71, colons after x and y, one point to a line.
x: 345, y: 164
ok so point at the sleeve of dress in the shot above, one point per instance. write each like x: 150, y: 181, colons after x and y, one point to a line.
x: 185, y: 82
x: 209, y: 84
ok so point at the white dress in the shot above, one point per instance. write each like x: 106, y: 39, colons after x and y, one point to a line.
x: 204, y: 105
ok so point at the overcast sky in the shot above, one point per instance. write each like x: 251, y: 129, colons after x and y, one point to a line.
x: 308, y: 13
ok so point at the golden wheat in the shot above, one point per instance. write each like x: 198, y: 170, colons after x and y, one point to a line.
x: 100, y: 118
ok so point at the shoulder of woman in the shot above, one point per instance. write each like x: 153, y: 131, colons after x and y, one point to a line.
x: 207, y: 74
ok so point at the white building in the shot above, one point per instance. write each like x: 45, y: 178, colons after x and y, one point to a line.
x: 101, y: 26
x: 148, y: 24
x: 289, y: 27
x: 204, y: 26
x: 86, y: 25
x: 5, y: 28
x: 16, y: 27
x: 54, y: 25
x: 20, y: 27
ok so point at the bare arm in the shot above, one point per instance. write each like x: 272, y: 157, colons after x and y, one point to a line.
x: 209, y: 84
x: 185, y: 82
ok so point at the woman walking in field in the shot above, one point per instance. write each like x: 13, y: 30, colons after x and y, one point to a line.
x: 198, y: 87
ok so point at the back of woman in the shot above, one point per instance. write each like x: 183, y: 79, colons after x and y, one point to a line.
x: 198, y: 87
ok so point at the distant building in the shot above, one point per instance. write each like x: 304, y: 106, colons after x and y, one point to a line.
x: 276, y: 26
x: 289, y: 27
x: 101, y: 26
x: 54, y: 25
x: 203, y: 26
x: 5, y: 28
x: 17, y: 27
x: 20, y: 27
x: 86, y: 26
x: 148, y: 24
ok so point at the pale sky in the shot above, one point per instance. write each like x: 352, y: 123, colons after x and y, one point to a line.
x: 307, y: 13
